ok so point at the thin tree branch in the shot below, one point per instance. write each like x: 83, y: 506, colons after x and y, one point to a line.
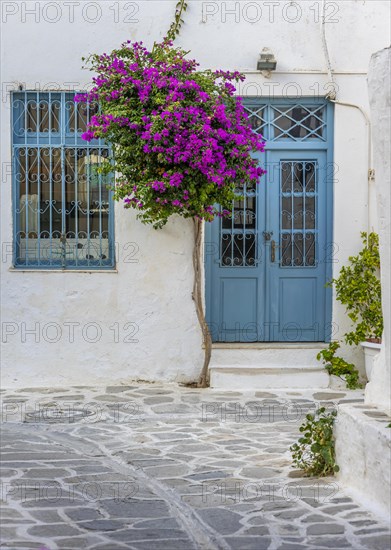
x: 197, y: 297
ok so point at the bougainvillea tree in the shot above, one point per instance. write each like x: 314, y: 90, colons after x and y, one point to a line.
x: 181, y: 141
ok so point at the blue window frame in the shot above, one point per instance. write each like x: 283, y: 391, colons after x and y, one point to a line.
x: 63, y: 207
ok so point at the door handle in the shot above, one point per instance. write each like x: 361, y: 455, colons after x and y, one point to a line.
x: 273, y: 251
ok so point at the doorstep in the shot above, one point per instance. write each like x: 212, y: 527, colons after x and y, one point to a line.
x: 239, y: 366
x: 269, y: 345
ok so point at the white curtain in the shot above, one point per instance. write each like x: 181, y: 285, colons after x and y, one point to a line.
x: 29, y: 208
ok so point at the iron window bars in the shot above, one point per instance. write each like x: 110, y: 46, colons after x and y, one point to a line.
x: 63, y: 209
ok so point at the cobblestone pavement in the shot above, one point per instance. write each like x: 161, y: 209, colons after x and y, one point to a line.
x: 153, y: 467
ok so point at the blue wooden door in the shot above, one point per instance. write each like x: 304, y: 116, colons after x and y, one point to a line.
x: 266, y: 268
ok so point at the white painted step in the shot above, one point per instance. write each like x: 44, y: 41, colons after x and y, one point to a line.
x: 272, y: 366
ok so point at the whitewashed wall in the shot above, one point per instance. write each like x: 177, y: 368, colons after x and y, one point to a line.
x: 43, y: 43
x: 378, y: 391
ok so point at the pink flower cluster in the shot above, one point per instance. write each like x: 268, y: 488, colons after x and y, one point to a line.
x: 186, y: 133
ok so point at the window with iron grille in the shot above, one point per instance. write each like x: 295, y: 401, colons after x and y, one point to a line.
x: 63, y: 207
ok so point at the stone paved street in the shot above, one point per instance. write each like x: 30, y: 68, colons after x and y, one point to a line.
x: 153, y: 467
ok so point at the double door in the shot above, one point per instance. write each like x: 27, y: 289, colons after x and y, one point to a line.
x: 267, y: 266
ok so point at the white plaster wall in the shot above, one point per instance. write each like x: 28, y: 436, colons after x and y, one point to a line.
x: 378, y: 391
x: 363, y: 446
x: 44, y: 47
x: 148, y: 301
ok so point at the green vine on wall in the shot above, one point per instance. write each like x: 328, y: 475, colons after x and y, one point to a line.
x: 176, y: 25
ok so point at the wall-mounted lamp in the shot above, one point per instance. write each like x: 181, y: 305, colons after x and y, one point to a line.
x: 267, y: 62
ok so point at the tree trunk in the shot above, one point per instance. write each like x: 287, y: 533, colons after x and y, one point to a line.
x: 197, y: 297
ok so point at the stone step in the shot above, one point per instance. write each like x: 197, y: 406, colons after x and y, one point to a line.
x: 272, y: 366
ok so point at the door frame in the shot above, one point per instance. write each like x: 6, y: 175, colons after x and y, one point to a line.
x: 284, y: 145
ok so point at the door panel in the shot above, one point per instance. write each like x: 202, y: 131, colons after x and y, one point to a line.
x: 297, y: 301
x: 239, y: 311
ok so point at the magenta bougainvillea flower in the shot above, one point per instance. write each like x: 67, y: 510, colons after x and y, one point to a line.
x: 181, y: 140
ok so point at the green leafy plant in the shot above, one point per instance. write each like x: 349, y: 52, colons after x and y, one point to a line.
x: 358, y: 288
x: 339, y: 367
x: 315, y: 451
